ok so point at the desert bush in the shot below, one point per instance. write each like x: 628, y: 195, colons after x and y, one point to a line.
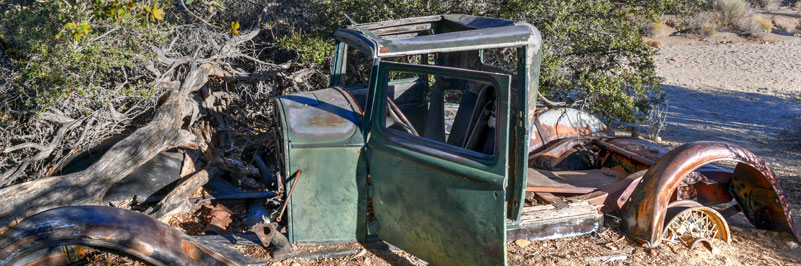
x: 650, y: 28
x: 729, y: 11
x: 762, y: 24
x: 704, y: 23
x: 765, y: 4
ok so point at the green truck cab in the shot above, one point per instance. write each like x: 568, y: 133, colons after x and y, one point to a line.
x: 429, y: 138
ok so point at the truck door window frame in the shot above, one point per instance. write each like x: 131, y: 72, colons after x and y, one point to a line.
x: 435, y: 148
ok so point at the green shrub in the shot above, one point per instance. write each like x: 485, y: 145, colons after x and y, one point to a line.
x: 592, y: 49
x: 73, y: 55
x: 310, y: 48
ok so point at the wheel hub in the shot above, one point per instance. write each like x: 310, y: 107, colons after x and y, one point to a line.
x: 690, y: 224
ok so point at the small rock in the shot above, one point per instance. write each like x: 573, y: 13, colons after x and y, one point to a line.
x: 361, y: 253
x: 652, y: 251
x: 277, y: 264
x: 715, y: 251
x: 791, y: 244
x: 759, y: 232
x: 295, y: 264
x: 522, y: 243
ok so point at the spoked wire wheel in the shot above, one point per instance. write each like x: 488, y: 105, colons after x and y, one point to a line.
x: 688, y: 222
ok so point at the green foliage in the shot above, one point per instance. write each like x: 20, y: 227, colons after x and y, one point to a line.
x: 310, y: 48
x: 211, y: 5
x: 593, y: 50
x: 78, y: 31
x: 76, y: 51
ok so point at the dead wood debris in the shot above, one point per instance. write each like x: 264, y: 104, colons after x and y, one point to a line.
x: 163, y: 132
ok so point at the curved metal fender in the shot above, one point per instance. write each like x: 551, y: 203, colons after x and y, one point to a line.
x: 753, y: 186
x: 125, y: 231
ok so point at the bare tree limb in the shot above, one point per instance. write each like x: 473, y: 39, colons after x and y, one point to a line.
x: 44, y: 151
x: 89, y: 186
x: 177, y: 201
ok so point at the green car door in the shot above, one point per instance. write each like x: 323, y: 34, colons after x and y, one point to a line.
x: 438, y: 201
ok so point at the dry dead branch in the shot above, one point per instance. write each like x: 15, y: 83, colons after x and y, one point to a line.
x: 177, y: 201
x: 164, y: 131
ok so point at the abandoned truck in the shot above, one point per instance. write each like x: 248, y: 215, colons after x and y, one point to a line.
x: 430, y: 138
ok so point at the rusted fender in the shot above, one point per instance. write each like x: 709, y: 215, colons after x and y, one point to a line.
x: 644, y: 213
x: 123, y: 231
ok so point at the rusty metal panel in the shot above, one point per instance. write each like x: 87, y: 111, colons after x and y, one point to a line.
x: 645, y: 149
x: 563, y: 123
x: 760, y: 198
x: 644, y: 213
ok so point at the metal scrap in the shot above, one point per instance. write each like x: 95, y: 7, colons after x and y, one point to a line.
x: 219, y: 218
x: 270, y: 236
x: 288, y: 196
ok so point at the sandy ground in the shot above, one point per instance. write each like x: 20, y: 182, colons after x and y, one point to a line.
x: 745, y: 94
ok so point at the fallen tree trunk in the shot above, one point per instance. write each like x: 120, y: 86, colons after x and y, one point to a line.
x: 87, y: 187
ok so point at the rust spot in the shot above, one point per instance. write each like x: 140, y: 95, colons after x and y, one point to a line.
x: 191, y: 250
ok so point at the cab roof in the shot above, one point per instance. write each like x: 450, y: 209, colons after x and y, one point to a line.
x: 440, y: 33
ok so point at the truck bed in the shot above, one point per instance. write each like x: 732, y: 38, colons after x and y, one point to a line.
x: 568, y: 219
x: 569, y: 182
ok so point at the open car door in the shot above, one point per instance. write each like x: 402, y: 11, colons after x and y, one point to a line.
x: 442, y: 202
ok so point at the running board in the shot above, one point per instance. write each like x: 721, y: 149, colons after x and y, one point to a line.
x: 547, y: 222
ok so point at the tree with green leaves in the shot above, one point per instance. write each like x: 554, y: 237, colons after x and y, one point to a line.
x: 594, y: 55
